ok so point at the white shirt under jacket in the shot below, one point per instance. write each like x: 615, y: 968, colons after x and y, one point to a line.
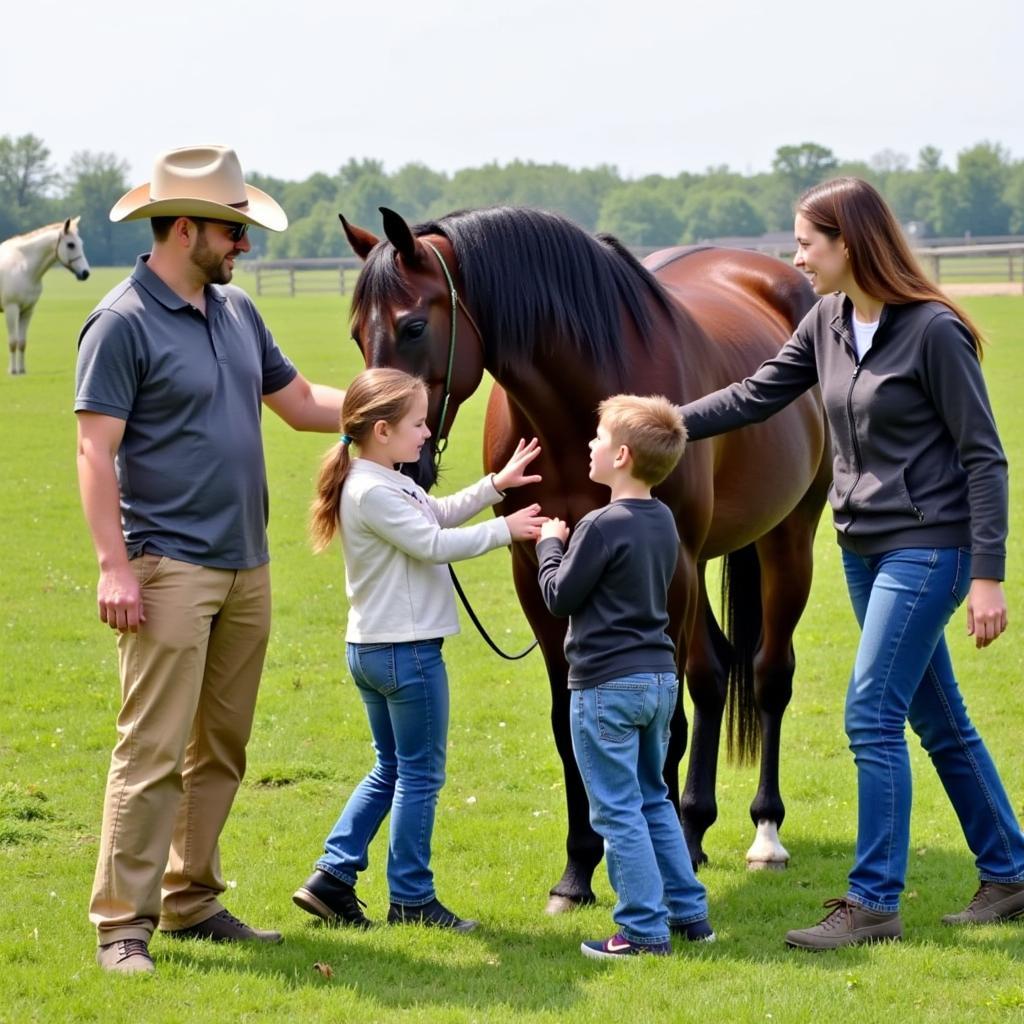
x: 397, y: 542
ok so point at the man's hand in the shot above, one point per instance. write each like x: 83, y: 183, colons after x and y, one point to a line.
x: 119, y: 599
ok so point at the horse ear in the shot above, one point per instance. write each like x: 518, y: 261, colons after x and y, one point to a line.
x: 399, y: 234
x: 361, y: 241
x: 67, y: 225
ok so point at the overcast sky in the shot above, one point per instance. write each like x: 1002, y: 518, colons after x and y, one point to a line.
x: 649, y: 86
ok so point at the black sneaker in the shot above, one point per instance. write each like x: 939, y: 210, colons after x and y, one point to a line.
x: 433, y: 915
x: 332, y: 900
x: 695, y: 931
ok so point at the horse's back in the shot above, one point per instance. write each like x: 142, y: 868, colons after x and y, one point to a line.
x: 729, y: 291
x: 746, y: 305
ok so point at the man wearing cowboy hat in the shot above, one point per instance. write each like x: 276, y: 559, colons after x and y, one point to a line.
x: 172, y: 367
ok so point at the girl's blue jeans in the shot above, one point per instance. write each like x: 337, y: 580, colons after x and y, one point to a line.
x: 404, y: 687
x: 903, y: 600
x: 619, y: 736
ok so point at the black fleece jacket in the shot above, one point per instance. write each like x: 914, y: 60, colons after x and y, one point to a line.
x: 916, y: 458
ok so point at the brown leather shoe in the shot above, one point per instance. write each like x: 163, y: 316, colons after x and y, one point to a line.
x: 847, y: 924
x: 994, y: 901
x: 126, y: 956
x: 224, y: 927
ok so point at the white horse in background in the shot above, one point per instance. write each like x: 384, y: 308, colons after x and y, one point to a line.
x: 23, y: 261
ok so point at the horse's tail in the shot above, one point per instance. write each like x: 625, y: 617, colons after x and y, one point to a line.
x: 741, y: 612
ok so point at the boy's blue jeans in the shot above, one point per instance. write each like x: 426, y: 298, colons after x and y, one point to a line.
x: 619, y: 736
x: 903, y: 600
x: 405, y: 689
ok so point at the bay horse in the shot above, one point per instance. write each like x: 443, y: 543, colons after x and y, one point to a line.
x: 562, y: 319
x: 23, y: 261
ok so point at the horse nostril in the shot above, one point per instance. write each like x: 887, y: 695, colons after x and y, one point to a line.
x: 84, y: 275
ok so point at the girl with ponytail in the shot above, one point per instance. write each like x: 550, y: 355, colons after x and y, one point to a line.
x: 397, y: 541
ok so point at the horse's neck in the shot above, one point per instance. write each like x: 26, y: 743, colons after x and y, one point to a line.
x: 39, y: 251
x: 542, y: 398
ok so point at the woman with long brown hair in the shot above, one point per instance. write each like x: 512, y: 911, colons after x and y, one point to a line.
x: 919, y: 502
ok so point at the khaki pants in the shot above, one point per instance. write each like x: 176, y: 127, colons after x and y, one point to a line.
x: 189, y: 679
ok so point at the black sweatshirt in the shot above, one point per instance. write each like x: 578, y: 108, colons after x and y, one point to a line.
x: 612, y: 583
x: 916, y: 458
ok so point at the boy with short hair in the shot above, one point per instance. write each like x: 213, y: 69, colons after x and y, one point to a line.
x: 612, y: 582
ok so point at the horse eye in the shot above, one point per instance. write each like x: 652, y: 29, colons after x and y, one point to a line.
x: 71, y: 245
x: 413, y: 330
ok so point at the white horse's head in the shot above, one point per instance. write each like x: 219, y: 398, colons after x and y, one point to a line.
x: 71, y: 251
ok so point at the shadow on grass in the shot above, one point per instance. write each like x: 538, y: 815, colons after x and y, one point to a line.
x: 402, y: 968
x: 541, y: 969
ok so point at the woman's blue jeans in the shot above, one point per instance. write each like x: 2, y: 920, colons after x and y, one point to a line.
x: 405, y: 689
x: 903, y: 600
x: 619, y: 736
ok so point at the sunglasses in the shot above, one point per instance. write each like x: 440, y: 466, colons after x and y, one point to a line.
x: 236, y: 231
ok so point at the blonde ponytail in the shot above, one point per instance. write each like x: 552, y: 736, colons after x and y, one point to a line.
x: 325, y: 512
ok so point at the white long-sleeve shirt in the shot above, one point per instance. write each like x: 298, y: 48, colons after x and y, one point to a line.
x: 397, y: 542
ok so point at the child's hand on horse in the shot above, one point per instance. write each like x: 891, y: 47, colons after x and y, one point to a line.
x: 526, y: 523
x: 513, y: 473
x: 554, y: 528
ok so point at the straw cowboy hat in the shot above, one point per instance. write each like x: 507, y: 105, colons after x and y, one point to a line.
x: 200, y: 181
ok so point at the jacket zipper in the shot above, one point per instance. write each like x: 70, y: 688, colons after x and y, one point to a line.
x: 853, y: 438
x: 856, y: 448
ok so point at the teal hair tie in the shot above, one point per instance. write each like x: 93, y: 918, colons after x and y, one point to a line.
x: 346, y: 440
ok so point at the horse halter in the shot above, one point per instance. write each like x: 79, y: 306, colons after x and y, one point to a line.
x: 442, y: 442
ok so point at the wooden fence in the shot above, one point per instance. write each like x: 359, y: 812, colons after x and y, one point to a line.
x: 303, y: 277
x: 999, y: 265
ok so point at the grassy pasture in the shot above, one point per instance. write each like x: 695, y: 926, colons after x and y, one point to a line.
x: 498, y: 844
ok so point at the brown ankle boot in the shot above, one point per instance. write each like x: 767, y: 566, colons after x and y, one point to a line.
x: 847, y: 924
x: 994, y: 901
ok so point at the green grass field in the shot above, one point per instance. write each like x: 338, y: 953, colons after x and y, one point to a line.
x: 500, y: 825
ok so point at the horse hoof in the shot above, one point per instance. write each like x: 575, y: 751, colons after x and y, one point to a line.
x: 562, y: 905
x: 767, y: 865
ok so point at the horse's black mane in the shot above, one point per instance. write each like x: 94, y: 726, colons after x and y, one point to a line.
x: 532, y: 277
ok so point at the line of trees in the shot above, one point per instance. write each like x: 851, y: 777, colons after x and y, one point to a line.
x: 981, y: 194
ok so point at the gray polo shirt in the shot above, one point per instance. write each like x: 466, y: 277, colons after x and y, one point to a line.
x: 189, y: 388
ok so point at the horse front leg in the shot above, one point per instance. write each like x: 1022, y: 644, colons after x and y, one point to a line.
x: 16, y: 347
x: 584, y: 847
x: 23, y: 321
x: 707, y: 672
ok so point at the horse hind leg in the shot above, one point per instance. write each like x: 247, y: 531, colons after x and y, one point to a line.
x: 786, y: 562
